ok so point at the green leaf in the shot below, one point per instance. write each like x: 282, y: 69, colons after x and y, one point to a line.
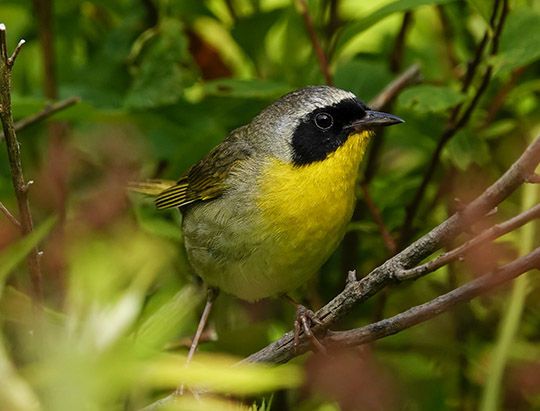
x: 165, y: 67
x: 426, y: 98
x: 466, y: 148
x: 365, y: 78
x: 12, y: 255
x: 246, y: 88
x: 520, y: 41
x: 366, y: 22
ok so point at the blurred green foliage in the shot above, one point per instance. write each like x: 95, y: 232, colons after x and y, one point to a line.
x: 162, y: 82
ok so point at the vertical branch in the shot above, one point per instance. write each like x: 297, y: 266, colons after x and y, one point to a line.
x: 315, y: 41
x: 12, y: 145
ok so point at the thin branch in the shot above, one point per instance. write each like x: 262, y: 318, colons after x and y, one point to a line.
x: 435, y: 307
x: 488, y: 235
x: 48, y: 111
x: 11, y: 60
x: 14, y: 157
x: 472, y: 65
x: 498, y: 30
x: 355, y: 293
x: 10, y: 216
x: 323, y: 62
x: 409, y: 77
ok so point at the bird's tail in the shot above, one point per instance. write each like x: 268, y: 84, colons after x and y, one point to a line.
x: 150, y: 187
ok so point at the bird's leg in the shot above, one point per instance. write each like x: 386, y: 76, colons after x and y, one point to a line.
x: 211, y: 295
x: 303, y: 322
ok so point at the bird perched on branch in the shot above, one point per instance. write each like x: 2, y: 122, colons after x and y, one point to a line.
x: 268, y: 206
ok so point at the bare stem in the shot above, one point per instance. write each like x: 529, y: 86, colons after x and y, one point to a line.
x: 15, y: 163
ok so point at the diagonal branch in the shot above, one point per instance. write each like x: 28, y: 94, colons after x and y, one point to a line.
x: 488, y: 235
x: 357, y: 292
x: 437, y: 306
x: 48, y: 111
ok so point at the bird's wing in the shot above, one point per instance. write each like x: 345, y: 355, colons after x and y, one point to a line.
x: 206, y: 179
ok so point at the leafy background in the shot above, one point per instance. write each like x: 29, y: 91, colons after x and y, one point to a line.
x: 161, y: 83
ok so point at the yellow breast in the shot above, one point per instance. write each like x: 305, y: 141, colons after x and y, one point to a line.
x: 310, y: 205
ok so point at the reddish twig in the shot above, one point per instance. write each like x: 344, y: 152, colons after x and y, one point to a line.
x: 12, y: 145
x: 323, y: 62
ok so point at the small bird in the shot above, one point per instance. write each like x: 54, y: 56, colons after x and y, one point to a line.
x: 267, y: 207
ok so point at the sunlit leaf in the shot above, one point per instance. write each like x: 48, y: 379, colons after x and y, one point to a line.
x: 220, y: 374
x: 366, y: 22
x: 484, y: 7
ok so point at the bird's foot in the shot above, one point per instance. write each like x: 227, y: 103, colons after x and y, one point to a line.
x: 304, y: 320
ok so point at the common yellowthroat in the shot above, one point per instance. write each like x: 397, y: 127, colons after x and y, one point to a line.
x: 268, y: 206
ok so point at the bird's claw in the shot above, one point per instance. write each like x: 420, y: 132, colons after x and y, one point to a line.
x: 304, y: 320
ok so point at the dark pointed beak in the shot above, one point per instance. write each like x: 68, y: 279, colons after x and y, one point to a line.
x: 374, y: 119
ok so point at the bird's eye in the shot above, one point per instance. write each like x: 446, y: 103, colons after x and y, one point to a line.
x: 324, y: 121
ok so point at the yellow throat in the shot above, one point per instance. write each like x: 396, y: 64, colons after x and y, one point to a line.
x: 310, y: 205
